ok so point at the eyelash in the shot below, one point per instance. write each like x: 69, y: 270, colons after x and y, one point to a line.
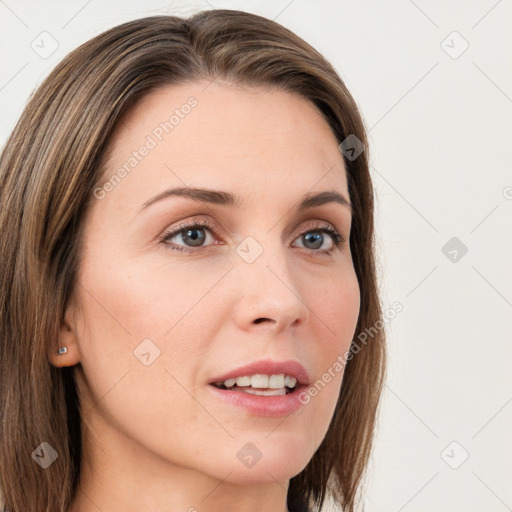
x: 321, y: 227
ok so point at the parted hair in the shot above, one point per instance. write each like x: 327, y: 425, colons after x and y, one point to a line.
x: 48, y: 170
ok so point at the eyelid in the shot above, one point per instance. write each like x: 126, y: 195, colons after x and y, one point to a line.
x: 319, y: 224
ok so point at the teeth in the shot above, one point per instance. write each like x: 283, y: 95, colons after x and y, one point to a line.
x: 259, y: 381
x: 276, y: 381
x: 290, y: 381
x: 272, y: 382
x: 243, y: 381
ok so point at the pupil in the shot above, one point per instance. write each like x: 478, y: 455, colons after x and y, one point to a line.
x: 315, y: 237
x: 191, y: 235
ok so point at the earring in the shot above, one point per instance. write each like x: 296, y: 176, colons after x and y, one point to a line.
x: 62, y: 350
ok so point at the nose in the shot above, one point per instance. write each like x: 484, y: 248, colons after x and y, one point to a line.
x: 269, y: 295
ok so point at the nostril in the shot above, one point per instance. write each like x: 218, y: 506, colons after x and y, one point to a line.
x: 259, y: 320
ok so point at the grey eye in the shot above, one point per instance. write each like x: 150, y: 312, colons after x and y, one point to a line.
x: 195, y: 236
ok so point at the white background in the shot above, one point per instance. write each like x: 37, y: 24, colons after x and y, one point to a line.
x: 441, y: 150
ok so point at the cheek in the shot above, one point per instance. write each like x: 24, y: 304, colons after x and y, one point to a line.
x: 146, y: 298
x: 337, y: 309
x: 337, y: 314
x: 131, y: 311
x: 132, y: 318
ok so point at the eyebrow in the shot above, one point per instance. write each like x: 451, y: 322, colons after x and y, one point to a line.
x: 221, y: 198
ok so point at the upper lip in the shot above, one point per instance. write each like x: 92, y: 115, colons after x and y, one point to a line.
x: 267, y: 367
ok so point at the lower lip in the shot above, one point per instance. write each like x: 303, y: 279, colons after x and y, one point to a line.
x: 269, y: 406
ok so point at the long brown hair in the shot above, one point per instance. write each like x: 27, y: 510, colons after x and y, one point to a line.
x: 48, y: 171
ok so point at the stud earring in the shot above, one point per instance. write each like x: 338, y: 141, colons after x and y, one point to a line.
x: 62, y: 350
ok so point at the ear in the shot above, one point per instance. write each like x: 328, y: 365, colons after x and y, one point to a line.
x: 67, y: 338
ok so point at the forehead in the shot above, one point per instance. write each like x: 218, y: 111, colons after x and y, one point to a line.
x: 219, y: 135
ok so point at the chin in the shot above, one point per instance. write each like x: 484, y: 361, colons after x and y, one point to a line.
x: 265, y: 474
x: 265, y: 462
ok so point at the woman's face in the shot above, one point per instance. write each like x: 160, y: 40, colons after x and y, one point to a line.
x: 167, y: 309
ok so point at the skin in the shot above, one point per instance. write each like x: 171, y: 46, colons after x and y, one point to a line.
x: 154, y: 437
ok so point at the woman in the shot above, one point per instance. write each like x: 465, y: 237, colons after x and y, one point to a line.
x: 219, y: 374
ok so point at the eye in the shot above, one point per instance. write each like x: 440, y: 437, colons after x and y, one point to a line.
x: 314, y: 238
x: 194, y: 234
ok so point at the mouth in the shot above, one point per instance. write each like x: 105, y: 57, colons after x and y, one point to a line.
x: 260, y: 384
x: 263, y: 388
